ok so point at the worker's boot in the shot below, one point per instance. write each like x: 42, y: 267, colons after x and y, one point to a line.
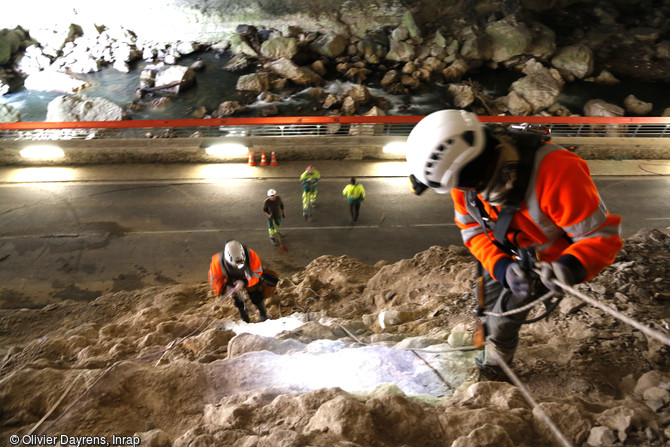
x: 239, y: 303
x: 262, y: 311
x: 493, y: 373
x: 244, y: 315
x: 274, y: 240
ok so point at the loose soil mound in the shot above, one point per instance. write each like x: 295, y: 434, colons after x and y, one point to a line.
x: 131, y: 371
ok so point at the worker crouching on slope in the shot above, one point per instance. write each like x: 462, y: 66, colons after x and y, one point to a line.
x: 239, y: 268
x: 523, y: 205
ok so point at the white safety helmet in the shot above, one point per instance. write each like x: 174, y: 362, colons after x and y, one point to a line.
x: 440, y: 146
x: 233, y: 255
x: 272, y: 192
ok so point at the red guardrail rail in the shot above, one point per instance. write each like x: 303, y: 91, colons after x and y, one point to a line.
x: 298, y: 120
x: 297, y: 126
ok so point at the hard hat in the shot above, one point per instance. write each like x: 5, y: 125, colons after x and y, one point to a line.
x: 440, y: 146
x: 272, y: 192
x: 233, y: 254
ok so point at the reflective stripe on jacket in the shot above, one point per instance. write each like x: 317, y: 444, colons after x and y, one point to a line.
x: 562, y: 214
x: 218, y: 276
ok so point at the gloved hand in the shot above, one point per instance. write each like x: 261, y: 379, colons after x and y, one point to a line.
x: 517, y: 280
x: 556, y: 270
x: 283, y: 216
x: 237, y: 286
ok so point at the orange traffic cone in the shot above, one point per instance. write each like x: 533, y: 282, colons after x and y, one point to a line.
x: 273, y: 159
x: 251, y: 159
x: 264, y: 161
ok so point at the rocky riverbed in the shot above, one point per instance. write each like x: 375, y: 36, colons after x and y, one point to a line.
x: 583, y: 41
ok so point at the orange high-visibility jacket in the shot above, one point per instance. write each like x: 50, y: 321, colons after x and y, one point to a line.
x: 218, y: 276
x: 561, y: 200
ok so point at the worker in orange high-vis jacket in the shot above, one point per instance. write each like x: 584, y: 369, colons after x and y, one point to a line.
x: 527, y: 209
x: 240, y: 268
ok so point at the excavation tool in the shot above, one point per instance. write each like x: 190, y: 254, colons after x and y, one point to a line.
x: 283, y: 249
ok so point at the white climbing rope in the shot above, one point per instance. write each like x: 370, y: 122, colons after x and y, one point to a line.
x: 526, y: 394
x: 616, y: 314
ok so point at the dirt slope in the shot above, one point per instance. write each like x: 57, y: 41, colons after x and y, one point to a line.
x: 598, y: 379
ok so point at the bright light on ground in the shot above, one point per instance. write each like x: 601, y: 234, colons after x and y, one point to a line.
x: 227, y: 150
x: 268, y: 328
x: 292, y: 366
x: 42, y: 152
x: 33, y: 175
x: 216, y: 171
x: 395, y: 148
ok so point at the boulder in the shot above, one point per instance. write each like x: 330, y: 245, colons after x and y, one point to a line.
x: 486, y: 435
x: 53, y: 39
x: 349, y: 106
x: 359, y: 93
x: 601, y: 436
x: 574, y: 61
x: 606, y: 78
x: 543, y: 42
x: 509, y: 38
x: 254, y: 82
x: 400, y: 33
x: 83, y: 108
x: 635, y: 106
x: 330, y: 45
x: 374, y: 46
x: 390, y: 77
x: 299, y: 75
x: 279, y: 47
x: 475, y: 45
x: 177, y: 77
x: 11, y: 42
x: 9, y: 114
x: 53, y: 81
x: 238, y: 62
x: 540, y: 88
x: 344, y: 417
x: 407, y: 21
x: 228, y: 108
x: 455, y: 71
x: 400, y: 51
x: 369, y: 129
x: 4, y: 88
x: 567, y: 419
x: 5, y: 50
x: 319, y: 68
x: 598, y: 107
x: 239, y: 45
x: 662, y: 50
x: 463, y: 95
x: 516, y: 105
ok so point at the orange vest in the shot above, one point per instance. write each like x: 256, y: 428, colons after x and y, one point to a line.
x: 562, y: 213
x: 218, y: 276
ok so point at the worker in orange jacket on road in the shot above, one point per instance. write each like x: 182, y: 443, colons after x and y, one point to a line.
x: 239, y: 268
x: 527, y: 209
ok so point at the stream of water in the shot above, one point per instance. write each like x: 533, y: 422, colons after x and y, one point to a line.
x: 214, y: 85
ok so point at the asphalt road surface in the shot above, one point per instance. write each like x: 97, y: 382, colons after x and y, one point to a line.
x: 79, y: 240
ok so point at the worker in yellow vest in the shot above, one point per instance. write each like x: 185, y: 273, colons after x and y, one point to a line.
x: 355, y: 194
